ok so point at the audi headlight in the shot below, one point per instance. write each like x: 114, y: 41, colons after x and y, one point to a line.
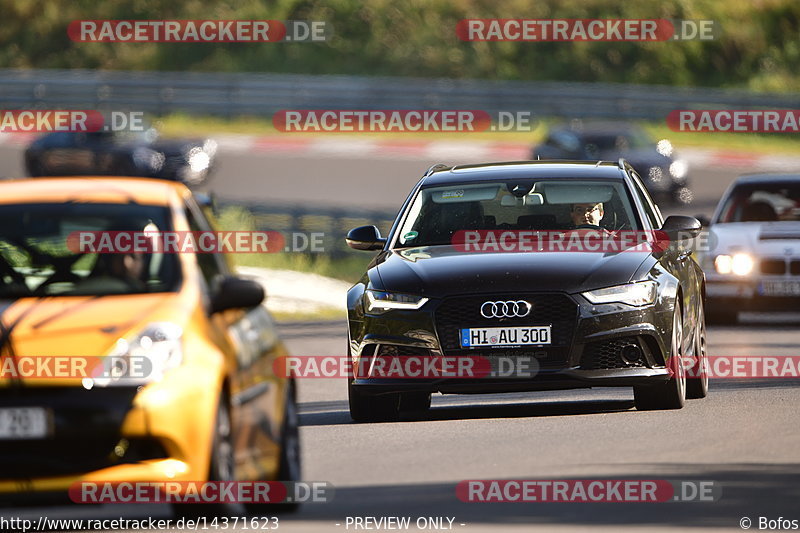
x: 678, y: 169
x: 142, y: 359
x: 638, y: 294
x: 198, y: 160
x: 740, y: 264
x: 380, y: 301
x: 148, y: 159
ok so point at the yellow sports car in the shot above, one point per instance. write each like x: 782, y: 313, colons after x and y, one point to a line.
x: 208, y: 406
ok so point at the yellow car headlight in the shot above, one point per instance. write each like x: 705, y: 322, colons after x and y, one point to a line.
x: 143, y: 359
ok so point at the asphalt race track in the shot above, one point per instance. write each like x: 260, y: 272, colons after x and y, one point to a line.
x: 380, y: 183
x: 743, y: 437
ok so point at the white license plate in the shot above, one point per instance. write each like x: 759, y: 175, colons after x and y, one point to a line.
x: 23, y: 423
x: 780, y: 288
x: 511, y: 336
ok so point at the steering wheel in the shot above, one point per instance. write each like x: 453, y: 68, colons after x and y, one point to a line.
x: 62, y: 272
x: 7, y: 269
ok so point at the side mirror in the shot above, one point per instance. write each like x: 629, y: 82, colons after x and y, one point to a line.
x: 704, y: 220
x: 681, y: 227
x: 236, y: 293
x: 365, y: 238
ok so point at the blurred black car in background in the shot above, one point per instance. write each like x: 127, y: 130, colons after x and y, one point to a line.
x: 115, y: 153
x: 664, y: 174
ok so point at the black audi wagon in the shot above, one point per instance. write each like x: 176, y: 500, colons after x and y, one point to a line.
x: 538, y: 262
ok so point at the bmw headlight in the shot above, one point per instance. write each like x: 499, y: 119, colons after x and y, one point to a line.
x: 740, y: 264
x: 142, y: 359
x: 638, y: 294
x: 380, y: 301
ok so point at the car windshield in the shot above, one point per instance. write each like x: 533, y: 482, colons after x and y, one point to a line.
x: 38, y: 259
x: 617, y: 141
x: 768, y: 202
x: 437, y: 213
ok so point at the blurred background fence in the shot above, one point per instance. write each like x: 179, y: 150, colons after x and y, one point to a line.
x: 332, y: 223
x: 232, y: 95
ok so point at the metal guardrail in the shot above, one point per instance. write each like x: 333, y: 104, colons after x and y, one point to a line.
x: 264, y: 94
x: 333, y: 223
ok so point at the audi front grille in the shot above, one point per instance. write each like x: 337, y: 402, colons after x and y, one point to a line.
x: 459, y: 312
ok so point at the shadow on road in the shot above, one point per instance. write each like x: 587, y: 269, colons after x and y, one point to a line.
x: 750, y: 490
x: 336, y: 412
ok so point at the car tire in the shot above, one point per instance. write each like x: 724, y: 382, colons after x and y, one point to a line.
x: 35, y: 169
x: 415, y: 402
x: 722, y: 317
x: 372, y: 408
x: 697, y: 387
x: 221, y: 468
x: 672, y: 394
x: 290, y: 464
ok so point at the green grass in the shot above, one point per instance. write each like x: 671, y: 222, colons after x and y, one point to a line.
x: 327, y: 314
x: 351, y: 267
x: 176, y: 125
x: 777, y: 143
x: 348, y: 268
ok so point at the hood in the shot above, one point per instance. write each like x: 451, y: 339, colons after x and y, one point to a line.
x: 85, y: 326
x: 760, y: 238
x: 438, y: 271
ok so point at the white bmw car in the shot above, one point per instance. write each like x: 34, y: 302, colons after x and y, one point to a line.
x: 753, y: 257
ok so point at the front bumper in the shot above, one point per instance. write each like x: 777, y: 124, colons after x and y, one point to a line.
x: 156, y: 432
x: 747, y: 294
x: 586, y: 351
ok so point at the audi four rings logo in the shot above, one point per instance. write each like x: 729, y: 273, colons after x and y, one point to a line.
x: 507, y: 309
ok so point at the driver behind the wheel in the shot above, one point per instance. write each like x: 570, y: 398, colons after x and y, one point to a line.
x: 115, y: 273
x: 586, y: 214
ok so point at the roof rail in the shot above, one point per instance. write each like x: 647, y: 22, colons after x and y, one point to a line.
x: 621, y: 163
x: 437, y: 166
